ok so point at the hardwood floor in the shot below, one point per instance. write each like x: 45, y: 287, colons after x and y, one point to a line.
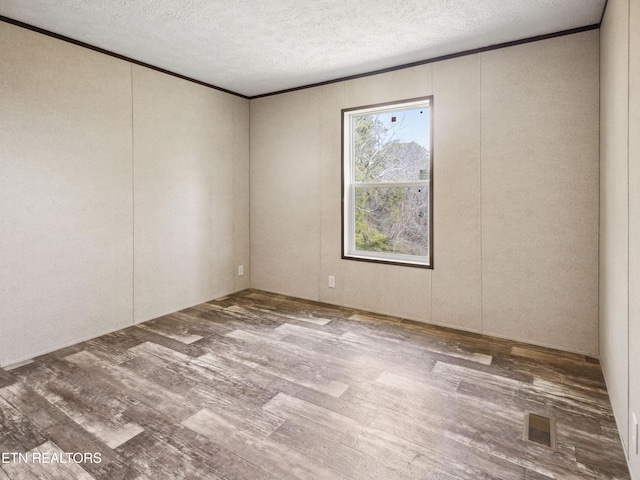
x: 262, y: 386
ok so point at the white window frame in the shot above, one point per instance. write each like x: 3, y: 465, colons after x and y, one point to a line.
x: 349, y: 251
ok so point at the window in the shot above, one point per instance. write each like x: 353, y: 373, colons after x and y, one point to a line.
x: 387, y: 183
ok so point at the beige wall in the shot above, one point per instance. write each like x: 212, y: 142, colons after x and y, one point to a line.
x: 65, y: 194
x: 516, y: 137
x: 240, y: 237
x: 86, y: 142
x: 539, y: 184
x: 184, y: 193
x: 284, y: 193
x: 634, y: 223
x: 620, y: 214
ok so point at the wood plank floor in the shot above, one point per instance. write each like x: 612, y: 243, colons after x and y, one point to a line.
x: 262, y: 386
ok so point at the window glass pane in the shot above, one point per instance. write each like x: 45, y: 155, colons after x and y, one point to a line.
x: 392, y: 219
x: 391, y: 146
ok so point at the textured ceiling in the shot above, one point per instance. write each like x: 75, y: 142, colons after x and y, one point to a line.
x: 259, y: 46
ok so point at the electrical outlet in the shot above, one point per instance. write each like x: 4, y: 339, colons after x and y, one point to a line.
x: 634, y: 434
x: 240, y: 270
x: 332, y: 281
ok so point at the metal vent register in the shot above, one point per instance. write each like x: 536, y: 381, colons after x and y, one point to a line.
x: 540, y: 429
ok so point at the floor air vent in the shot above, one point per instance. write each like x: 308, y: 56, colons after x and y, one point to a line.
x: 540, y: 429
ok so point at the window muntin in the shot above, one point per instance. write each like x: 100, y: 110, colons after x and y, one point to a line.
x: 387, y: 183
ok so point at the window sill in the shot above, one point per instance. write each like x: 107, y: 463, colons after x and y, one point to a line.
x: 401, y: 263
